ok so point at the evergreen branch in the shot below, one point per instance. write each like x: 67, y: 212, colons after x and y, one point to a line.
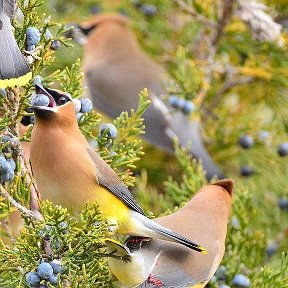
x: 191, y: 11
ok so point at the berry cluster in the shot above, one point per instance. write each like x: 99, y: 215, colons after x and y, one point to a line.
x: 185, y: 106
x: 7, y: 163
x: 33, y: 37
x: 82, y: 105
x: 220, y: 277
x: 46, y: 272
x: 247, y: 142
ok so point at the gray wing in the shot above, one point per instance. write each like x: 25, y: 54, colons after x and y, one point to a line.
x: 109, y: 179
x: 12, y: 62
x: 9, y: 7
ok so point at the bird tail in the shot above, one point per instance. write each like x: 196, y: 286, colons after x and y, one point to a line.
x: 14, y: 69
x: 189, y: 134
x: 152, y: 229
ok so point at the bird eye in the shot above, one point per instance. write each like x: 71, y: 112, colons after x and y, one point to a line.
x: 62, y: 100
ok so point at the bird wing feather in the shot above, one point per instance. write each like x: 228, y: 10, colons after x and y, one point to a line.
x: 109, y: 179
x: 9, y: 7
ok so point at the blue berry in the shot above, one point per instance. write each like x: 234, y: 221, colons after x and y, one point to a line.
x: 33, y: 279
x: 32, y: 119
x: 86, y: 105
x: 213, y: 280
x: 95, y: 9
x: 246, y: 141
x: 77, y: 105
x: 46, y: 232
x: 271, y: 248
x: 176, y: 102
x: 53, y: 279
x: 112, y: 130
x: 57, y: 267
x: 30, y: 48
x: 224, y: 286
x: 55, y: 45
x: 79, y: 116
x: 6, y: 172
x: 263, y: 135
x: 221, y: 273
x: 38, y: 80
x: 149, y: 10
x: 45, y: 270
x: 48, y: 35
x: 188, y: 107
x: 3, y: 92
x: 235, y: 223
x: 283, y: 149
x: 6, y: 138
x: 247, y: 171
x: 12, y: 163
x: 33, y: 36
x: 240, y: 280
x: 40, y: 100
x: 2, y: 160
x: 283, y: 203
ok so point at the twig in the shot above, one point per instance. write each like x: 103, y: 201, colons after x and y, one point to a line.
x: 189, y: 9
x: 14, y: 203
x: 227, y: 85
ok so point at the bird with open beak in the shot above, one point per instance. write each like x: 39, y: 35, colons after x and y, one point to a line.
x: 70, y: 173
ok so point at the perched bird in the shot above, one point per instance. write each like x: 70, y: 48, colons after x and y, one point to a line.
x: 116, y: 70
x: 14, y: 69
x: 70, y: 173
x: 155, y: 263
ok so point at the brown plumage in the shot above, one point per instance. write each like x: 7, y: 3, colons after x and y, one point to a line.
x: 69, y: 173
x: 117, y: 69
x: 203, y: 218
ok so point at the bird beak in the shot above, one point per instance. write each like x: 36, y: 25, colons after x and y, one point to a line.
x: 41, y: 90
x: 43, y: 110
x: 77, y: 33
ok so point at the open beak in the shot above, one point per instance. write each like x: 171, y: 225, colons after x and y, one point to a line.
x: 41, y: 90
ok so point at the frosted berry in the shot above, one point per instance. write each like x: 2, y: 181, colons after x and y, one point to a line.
x: 149, y: 10
x: 224, y: 286
x: 221, y: 273
x: 176, y: 102
x: 246, y: 141
x: 6, y: 172
x: 86, y: 105
x: 112, y: 130
x: 235, y: 223
x: 40, y: 100
x: 57, y: 267
x: 95, y: 9
x: 79, y: 116
x: 33, y: 279
x: 188, y: 107
x: 38, y: 80
x: 271, y: 248
x: 53, y: 279
x: 55, y: 45
x: 33, y: 36
x: 283, y: 149
x: 48, y: 35
x: 240, y: 280
x: 12, y: 163
x: 45, y: 270
x: 283, y: 203
x: 77, y: 105
x: 247, y: 171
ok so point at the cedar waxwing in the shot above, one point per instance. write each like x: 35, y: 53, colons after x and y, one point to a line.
x: 70, y: 173
x: 116, y: 70
x: 155, y: 263
x: 14, y: 69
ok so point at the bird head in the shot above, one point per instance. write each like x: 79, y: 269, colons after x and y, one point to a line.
x: 96, y: 21
x: 59, y: 110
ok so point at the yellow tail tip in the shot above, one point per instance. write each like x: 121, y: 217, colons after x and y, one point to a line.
x: 20, y: 81
x: 203, y: 250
